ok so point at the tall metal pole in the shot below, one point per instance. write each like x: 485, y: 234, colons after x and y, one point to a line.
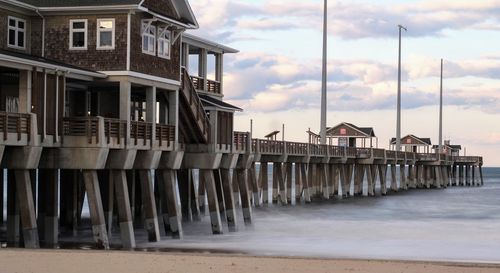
x: 398, y: 122
x: 441, y: 111
x: 324, y: 78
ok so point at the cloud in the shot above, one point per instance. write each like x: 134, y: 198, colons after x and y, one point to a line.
x: 347, y: 19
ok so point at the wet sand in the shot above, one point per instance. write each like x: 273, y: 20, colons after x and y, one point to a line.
x: 78, y: 261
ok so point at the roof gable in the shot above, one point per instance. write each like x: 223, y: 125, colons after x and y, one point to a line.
x: 413, y: 140
x: 345, y: 129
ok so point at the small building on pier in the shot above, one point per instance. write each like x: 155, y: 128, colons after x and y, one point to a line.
x: 349, y: 135
x: 412, y: 143
x: 448, y: 148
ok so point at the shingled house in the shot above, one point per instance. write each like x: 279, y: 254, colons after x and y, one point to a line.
x: 349, y: 135
x: 100, y: 91
x: 448, y: 148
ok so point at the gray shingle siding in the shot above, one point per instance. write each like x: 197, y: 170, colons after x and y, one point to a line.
x: 79, y: 3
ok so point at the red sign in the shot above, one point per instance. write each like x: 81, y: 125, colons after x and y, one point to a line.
x: 343, y: 131
x: 408, y: 141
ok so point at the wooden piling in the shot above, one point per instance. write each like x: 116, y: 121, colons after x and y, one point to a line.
x: 246, y: 206
x: 95, y: 207
x: 174, y: 212
x: 394, y: 182
x: 149, y: 206
x: 264, y: 182
x: 229, y: 200
x: 213, y: 203
x: 124, y: 210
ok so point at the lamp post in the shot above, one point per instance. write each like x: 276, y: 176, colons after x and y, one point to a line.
x: 398, y: 122
x: 324, y: 77
x: 441, y: 111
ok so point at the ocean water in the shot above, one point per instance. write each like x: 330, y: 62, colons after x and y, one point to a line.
x: 453, y: 224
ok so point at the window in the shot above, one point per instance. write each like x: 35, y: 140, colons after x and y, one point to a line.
x: 105, y: 33
x: 17, y: 33
x: 148, y: 38
x: 78, y: 34
x: 164, y: 42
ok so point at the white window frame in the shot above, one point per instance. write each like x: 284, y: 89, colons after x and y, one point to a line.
x: 166, y: 41
x: 145, y: 33
x: 17, y: 31
x: 98, y: 46
x: 85, y: 31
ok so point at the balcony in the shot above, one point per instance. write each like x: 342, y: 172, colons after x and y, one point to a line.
x: 112, y: 133
x: 206, y: 85
x: 17, y: 129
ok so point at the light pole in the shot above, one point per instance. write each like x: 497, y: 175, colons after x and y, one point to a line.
x: 441, y: 111
x: 398, y: 125
x: 324, y: 77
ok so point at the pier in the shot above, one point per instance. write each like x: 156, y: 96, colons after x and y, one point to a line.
x: 119, y: 122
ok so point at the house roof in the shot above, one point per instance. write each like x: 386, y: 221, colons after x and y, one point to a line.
x: 195, y: 41
x: 46, y: 63
x: 210, y: 101
x: 79, y: 3
x: 182, y: 7
x: 272, y: 134
x: 453, y: 147
x: 424, y: 140
x: 368, y: 131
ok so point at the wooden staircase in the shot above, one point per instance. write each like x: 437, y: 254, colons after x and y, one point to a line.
x: 194, y: 125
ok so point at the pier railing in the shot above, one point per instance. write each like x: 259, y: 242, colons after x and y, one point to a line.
x: 115, y: 128
x: 15, y: 123
x: 87, y: 127
x: 141, y: 131
x: 240, y: 142
x: 207, y: 85
x: 165, y: 134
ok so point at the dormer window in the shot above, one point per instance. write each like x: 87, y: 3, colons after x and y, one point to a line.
x: 78, y: 34
x: 106, y: 34
x: 148, y: 38
x: 17, y: 33
x: 164, y: 42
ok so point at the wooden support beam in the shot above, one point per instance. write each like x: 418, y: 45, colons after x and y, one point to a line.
x: 95, y: 207
x: 255, y: 185
x: 149, y: 206
x: 245, y: 196
x: 394, y: 182
x: 48, y: 193
x: 382, y: 173
x: 305, y: 182
x: 124, y: 210
x: 13, y: 219
x: 289, y: 181
x: 402, y: 178
x: 174, y: 212
x: 229, y: 200
x: 27, y: 208
x: 264, y: 181
x: 213, y: 203
x: 220, y: 193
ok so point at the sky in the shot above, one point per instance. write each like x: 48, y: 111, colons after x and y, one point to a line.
x: 276, y: 76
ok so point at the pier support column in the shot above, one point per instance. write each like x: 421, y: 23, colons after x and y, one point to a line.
x: 382, y: 172
x: 444, y: 173
x: 264, y: 181
x: 149, y: 205
x: 95, y: 207
x: 123, y: 206
x: 229, y: 200
x: 326, y: 180
x: 481, y: 174
x: 334, y: 176
x: 169, y: 188
x: 461, y: 175
x: 201, y: 194
x: 467, y: 175
x: 289, y: 181
x: 213, y: 203
x: 48, y: 181
x: 220, y: 193
x: 473, y: 170
x: 255, y: 185
x: 13, y: 219
x: 394, y: 182
x: 402, y: 177
x: 246, y: 206
x: 298, y: 183
x: 27, y: 208
x: 371, y: 180
x: 305, y: 182
x: 437, y: 173
x: 359, y: 175
x: 279, y: 188
x: 107, y: 194
x: 454, y: 175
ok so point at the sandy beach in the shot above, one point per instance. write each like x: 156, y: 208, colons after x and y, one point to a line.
x: 48, y: 261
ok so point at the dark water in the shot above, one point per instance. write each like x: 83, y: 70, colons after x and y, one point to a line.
x: 454, y: 224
